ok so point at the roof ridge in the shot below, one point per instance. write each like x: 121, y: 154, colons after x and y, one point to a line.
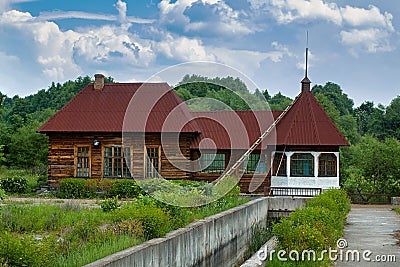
x: 293, y: 121
x: 316, y: 134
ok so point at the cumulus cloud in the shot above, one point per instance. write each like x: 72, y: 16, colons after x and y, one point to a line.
x: 121, y: 7
x: 216, y: 17
x: 249, y: 61
x: 367, y: 17
x: 183, y: 49
x: 372, y: 40
x: 369, y: 28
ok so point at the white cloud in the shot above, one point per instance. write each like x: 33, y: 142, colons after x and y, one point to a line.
x: 372, y: 40
x: 121, y: 7
x: 111, y: 43
x: 249, y: 61
x: 57, y: 15
x: 370, y: 29
x: 287, y: 11
x: 183, y: 48
x: 367, y: 17
x: 221, y: 18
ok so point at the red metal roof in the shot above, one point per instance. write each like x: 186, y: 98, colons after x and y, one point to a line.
x: 231, y: 129
x: 306, y: 123
x: 155, y: 107
x: 133, y: 107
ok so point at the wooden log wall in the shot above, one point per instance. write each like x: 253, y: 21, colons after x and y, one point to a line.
x: 62, y: 154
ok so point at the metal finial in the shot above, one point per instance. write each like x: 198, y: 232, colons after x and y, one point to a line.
x: 307, y: 56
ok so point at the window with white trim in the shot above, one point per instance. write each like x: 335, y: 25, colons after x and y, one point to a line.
x: 327, y: 163
x: 302, y: 164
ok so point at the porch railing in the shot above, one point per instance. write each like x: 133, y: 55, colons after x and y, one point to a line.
x: 292, y: 191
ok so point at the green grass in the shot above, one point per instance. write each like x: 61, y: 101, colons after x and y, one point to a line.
x: 92, y: 252
x: 70, y: 234
x: 396, y: 210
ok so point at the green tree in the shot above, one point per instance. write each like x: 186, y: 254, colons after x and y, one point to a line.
x: 279, y: 102
x: 347, y: 124
x: 392, y: 118
x: 373, y: 166
x: 335, y: 94
x: 370, y: 120
x: 329, y: 107
x: 2, y: 158
x: 28, y: 149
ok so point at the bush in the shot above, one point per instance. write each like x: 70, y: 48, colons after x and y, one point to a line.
x: 27, y: 250
x: 73, y: 188
x: 155, y: 221
x: 110, y: 204
x: 3, y: 194
x: 133, y: 228
x: 15, y: 185
x: 156, y: 184
x: 125, y: 188
x: 318, y: 226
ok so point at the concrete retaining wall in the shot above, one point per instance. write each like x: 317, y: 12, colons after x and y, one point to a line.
x: 219, y: 240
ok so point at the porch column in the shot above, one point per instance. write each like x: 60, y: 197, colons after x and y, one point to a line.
x: 337, y: 164
x: 316, y: 157
x: 288, y: 160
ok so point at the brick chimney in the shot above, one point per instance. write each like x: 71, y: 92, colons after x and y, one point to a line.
x: 98, y: 82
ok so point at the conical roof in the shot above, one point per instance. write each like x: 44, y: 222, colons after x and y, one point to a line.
x: 307, y: 124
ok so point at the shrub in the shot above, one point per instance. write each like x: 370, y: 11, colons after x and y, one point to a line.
x: 128, y: 227
x: 228, y: 187
x: 156, y: 184
x: 333, y: 199
x: 73, y: 188
x: 126, y: 188
x: 317, y: 226
x: 15, y: 185
x: 104, y: 186
x: 110, y: 204
x: 155, y: 221
x: 27, y: 250
x: 3, y: 194
x: 91, y: 188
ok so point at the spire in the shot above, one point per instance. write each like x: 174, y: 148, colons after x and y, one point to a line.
x: 306, y: 83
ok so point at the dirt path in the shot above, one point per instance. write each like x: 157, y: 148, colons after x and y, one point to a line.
x: 35, y: 200
x: 374, y: 229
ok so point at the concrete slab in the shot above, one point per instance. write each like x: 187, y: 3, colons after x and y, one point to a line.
x: 371, y: 228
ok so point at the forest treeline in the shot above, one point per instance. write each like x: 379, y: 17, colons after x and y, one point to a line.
x: 370, y: 165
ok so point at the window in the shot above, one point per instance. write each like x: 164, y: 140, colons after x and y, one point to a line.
x: 279, y: 165
x: 211, y: 163
x: 152, y: 162
x: 257, y: 163
x: 82, y: 167
x: 117, y: 161
x: 327, y: 165
x: 302, y: 164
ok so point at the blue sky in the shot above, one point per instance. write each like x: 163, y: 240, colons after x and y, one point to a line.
x: 352, y: 43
